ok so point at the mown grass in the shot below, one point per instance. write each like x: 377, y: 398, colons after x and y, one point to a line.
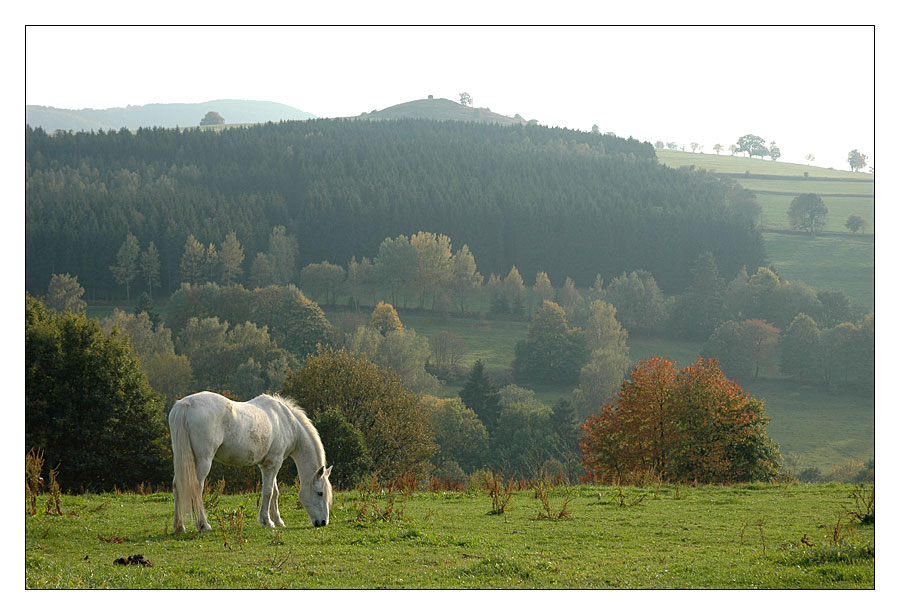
x: 741, y: 536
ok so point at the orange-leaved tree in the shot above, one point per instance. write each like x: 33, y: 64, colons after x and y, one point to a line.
x: 691, y: 424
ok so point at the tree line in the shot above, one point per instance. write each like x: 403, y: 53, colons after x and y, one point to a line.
x: 566, y: 202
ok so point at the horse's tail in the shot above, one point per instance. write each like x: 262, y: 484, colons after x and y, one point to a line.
x: 189, y: 496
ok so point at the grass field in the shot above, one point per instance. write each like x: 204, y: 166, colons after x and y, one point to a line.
x: 844, y: 263
x: 726, y: 163
x: 662, y: 536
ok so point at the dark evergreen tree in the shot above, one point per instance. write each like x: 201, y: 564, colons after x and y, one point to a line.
x: 88, y: 405
x: 482, y: 396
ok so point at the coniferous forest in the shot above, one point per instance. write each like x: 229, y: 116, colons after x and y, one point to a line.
x: 569, y: 203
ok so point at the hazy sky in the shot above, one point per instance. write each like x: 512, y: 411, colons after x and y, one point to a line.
x: 810, y: 89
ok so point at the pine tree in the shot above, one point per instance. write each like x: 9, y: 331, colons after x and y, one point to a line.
x: 480, y: 394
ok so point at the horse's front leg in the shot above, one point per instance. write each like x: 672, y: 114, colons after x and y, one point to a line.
x: 274, y: 513
x: 269, y: 472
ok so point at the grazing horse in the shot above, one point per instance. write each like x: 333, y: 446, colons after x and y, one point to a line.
x: 262, y: 432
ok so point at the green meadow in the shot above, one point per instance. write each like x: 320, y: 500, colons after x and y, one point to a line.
x: 659, y: 536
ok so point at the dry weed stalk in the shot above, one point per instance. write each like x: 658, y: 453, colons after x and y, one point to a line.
x: 34, y: 461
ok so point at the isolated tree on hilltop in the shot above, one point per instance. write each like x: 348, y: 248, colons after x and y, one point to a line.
x: 753, y: 145
x: 212, y: 119
x: 465, y: 99
x: 717, y: 148
x: 856, y: 160
x: 774, y: 151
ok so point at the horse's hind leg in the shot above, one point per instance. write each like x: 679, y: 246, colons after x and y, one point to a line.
x: 203, y: 466
x: 178, y: 524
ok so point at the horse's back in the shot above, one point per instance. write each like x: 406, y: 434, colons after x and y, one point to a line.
x: 237, y: 433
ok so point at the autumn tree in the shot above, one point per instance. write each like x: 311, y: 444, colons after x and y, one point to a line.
x: 807, y: 213
x: 434, y: 256
x: 231, y: 255
x: 396, y: 266
x: 384, y: 319
x: 682, y: 425
x: 64, y: 294
x: 193, y: 261
x: 392, y: 423
x: 126, y: 268
x: 283, y: 255
x: 543, y: 289
x: 465, y: 280
x: 149, y: 267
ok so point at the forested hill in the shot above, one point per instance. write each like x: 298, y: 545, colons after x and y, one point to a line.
x: 567, y: 202
x: 164, y: 115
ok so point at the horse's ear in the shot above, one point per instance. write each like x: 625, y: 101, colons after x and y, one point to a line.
x: 328, y: 471
x: 320, y: 472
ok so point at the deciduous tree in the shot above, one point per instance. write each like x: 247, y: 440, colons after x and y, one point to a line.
x: 679, y: 425
x: 126, y: 268
x: 807, y: 213
x: 393, y: 425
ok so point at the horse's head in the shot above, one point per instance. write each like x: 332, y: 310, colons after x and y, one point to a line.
x: 316, y: 496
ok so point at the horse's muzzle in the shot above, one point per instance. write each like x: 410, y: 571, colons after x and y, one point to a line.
x: 319, y: 523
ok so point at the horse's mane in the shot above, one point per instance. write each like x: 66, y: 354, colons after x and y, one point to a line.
x: 300, y: 413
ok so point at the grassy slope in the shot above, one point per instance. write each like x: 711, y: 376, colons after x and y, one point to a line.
x: 742, y: 536
x: 845, y: 262
x: 726, y: 163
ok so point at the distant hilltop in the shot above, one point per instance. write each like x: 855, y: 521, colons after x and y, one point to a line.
x: 162, y: 115
x: 441, y: 109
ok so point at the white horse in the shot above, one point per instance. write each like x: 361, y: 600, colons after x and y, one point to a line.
x: 262, y: 432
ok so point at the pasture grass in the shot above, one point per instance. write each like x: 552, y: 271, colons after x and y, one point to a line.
x: 774, y: 213
x: 664, y: 536
x: 844, y: 263
x: 726, y: 163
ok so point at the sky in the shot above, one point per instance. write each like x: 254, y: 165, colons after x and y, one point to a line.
x: 809, y: 89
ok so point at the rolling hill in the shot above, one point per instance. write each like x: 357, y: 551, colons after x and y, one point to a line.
x: 441, y: 109
x: 171, y: 115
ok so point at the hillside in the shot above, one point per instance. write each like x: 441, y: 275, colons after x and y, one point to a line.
x: 835, y: 259
x: 441, y: 109
x: 171, y: 115
x: 570, y: 203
